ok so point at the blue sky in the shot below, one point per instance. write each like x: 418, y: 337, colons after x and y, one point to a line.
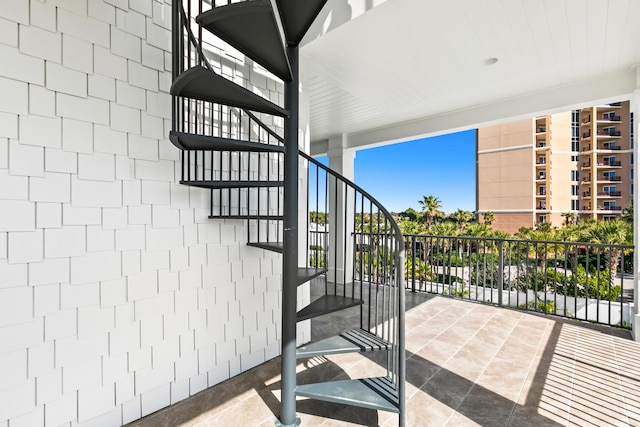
x: 399, y: 175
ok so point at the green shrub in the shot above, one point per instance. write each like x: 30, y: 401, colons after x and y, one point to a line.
x: 596, y: 284
x: 548, y: 307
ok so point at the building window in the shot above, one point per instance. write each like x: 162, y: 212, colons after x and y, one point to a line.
x: 575, y: 130
x: 542, y: 191
x: 575, y: 146
x: 574, y: 158
x: 609, y: 205
x: 631, y: 190
x: 575, y: 176
x: 542, y: 160
x: 630, y: 173
x: 631, y: 159
x: 575, y: 205
x: 575, y: 190
x: 542, y: 219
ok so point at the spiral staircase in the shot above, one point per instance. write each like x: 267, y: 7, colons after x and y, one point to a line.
x: 331, y: 234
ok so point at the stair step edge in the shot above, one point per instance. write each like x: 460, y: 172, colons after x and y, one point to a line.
x: 327, y: 304
x: 197, y: 142
x: 371, y: 393
x: 269, y: 246
x: 201, y: 83
x: 354, y: 341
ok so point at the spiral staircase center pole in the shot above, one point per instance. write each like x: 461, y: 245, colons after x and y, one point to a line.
x: 290, y: 257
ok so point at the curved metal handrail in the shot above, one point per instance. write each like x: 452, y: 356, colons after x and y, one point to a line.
x: 386, y: 213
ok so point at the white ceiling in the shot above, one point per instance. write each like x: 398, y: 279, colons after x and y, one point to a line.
x: 386, y: 71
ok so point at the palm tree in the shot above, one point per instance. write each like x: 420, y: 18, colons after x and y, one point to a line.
x: 569, y: 218
x: 627, y: 214
x: 462, y: 217
x: 488, y: 218
x: 445, y: 228
x: 538, y: 237
x: 411, y: 227
x: 430, y: 208
x: 478, y: 230
x: 614, y: 232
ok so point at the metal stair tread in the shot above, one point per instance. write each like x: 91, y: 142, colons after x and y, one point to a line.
x: 248, y: 216
x: 232, y: 184
x: 354, y: 341
x: 307, y: 273
x: 201, y: 83
x: 377, y: 393
x: 190, y: 141
x: 270, y: 246
x: 252, y: 28
x: 327, y: 304
x: 297, y: 16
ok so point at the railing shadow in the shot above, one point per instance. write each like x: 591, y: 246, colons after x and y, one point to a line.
x: 575, y: 382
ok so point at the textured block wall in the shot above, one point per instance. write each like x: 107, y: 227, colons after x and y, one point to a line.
x: 118, y: 296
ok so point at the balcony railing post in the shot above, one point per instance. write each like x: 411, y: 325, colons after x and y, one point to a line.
x: 500, y: 270
x: 413, y: 264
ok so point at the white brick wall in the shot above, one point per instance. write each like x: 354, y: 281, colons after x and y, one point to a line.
x: 118, y: 296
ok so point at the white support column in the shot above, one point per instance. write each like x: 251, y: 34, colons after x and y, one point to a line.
x: 341, y: 212
x: 635, y: 109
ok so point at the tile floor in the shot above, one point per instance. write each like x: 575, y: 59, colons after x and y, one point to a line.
x: 468, y: 365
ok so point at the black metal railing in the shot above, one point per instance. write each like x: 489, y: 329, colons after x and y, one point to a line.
x: 609, y: 193
x: 609, y: 147
x: 605, y: 132
x: 610, y: 208
x: 585, y: 281
x: 611, y: 163
x: 357, y: 240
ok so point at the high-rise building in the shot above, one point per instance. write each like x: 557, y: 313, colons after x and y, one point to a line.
x: 539, y: 170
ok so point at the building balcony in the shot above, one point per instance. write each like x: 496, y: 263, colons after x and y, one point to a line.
x: 541, y: 162
x: 611, y: 147
x: 585, y: 165
x: 604, y: 133
x: 609, y: 178
x: 586, y: 194
x: 610, y: 208
x: 586, y: 120
x: 614, y: 164
x: 541, y: 177
x: 541, y: 129
x: 610, y: 119
x: 541, y: 206
x: 541, y: 194
x: 585, y: 148
x: 609, y: 194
